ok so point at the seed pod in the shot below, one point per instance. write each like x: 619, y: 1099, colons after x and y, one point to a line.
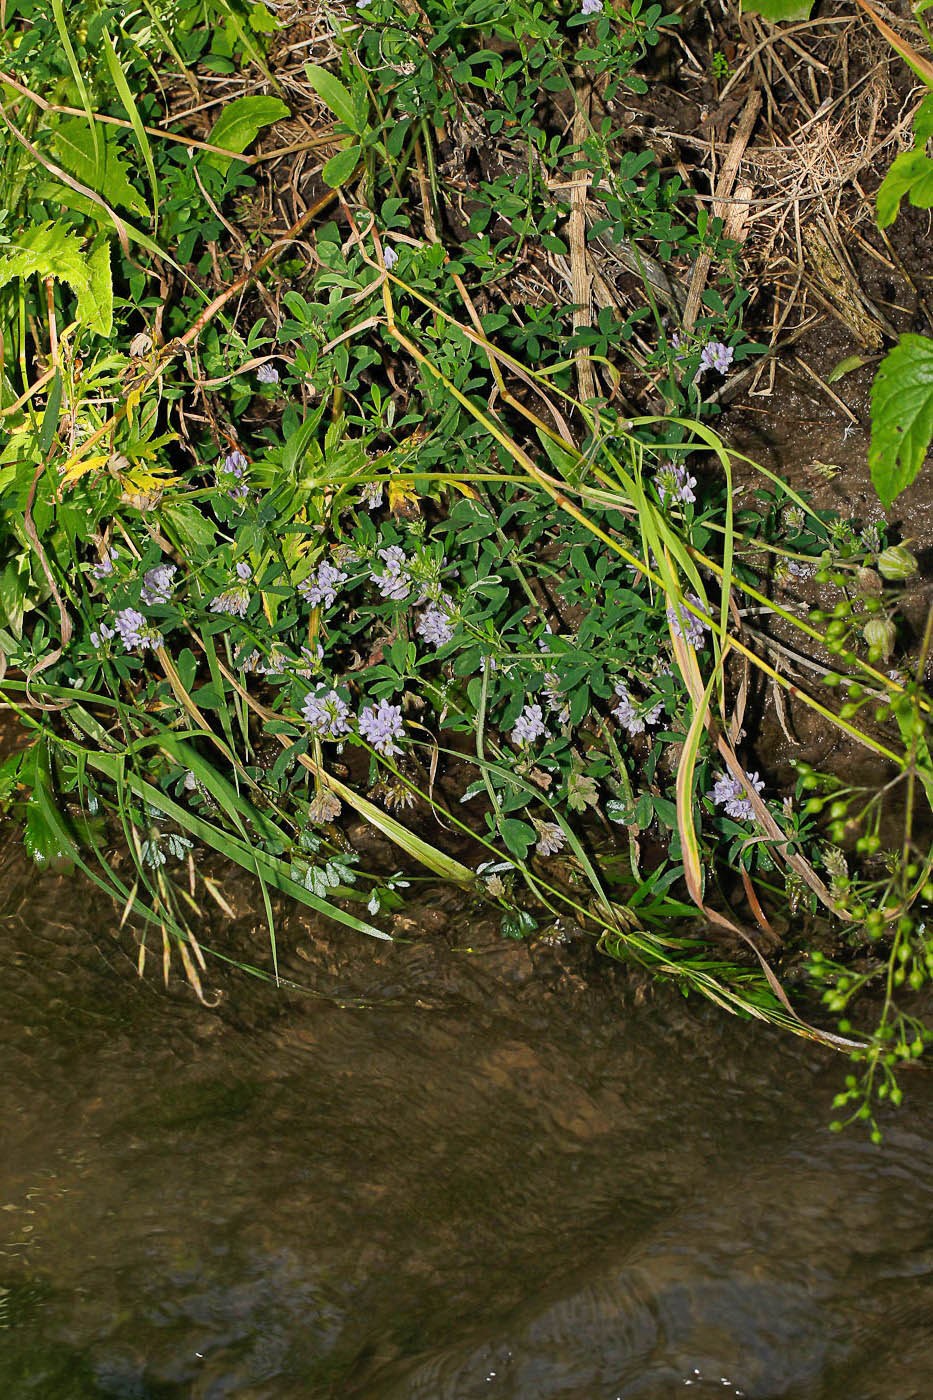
x: 868, y: 582
x: 896, y: 563
x: 880, y: 632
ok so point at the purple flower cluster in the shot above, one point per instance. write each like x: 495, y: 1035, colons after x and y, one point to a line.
x: 674, y: 483
x: 591, y: 7
x: 136, y: 632
x: 157, y: 584
x: 716, y: 356
x: 372, y: 492
x: 235, y: 599
x: 322, y: 586
x: 729, y: 792
x: 434, y: 624
x: 104, y: 635
x: 632, y: 719
x: 232, y: 476
x: 381, y: 725
x: 395, y: 583
x: 691, y: 628
x: 557, y: 703
x: 267, y: 374
x: 530, y: 726
x: 328, y: 716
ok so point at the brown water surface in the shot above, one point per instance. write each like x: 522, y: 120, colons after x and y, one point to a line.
x: 495, y: 1179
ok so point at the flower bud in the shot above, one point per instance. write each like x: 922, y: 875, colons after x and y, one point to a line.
x: 880, y: 632
x: 896, y: 562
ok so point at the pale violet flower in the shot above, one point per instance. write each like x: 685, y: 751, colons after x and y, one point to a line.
x: 104, y: 635
x: 157, y: 584
x: 381, y: 725
x: 395, y: 582
x: 556, y: 701
x: 104, y: 568
x: 632, y: 718
x: 674, y: 484
x: 243, y: 570
x: 232, y: 476
x: 136, y: 632
x: 234, y: 600
x: 434, y: 624
x: 716, y: 356
x: 591, y: 7
x: 267, y: 374
x: 189, y: 782
x: 551, y: 837
x: 371, y: 494
x: 328, y: 716
x: 529, y: 726
x: 323, y: 585
x: 729, y: 792
x: 692, y: 628
x: 390, y: 258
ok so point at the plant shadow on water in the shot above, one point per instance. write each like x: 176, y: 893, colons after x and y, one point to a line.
x: 464, y: 1188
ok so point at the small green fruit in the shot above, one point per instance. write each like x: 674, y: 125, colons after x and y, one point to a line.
x: 896, y: 563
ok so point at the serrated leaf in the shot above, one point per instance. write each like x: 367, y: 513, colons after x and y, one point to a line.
x: 910, y: 174
x: 340, y: 167
x: 334, y: 95
x: 51, y: 250
x: 42, y: 842
x: 777, y: 10
x: 73, y: 144
x: 100, y: 287
x: 901, y: 416
x: 240, y: 123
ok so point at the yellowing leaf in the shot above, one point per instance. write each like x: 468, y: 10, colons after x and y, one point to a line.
x: 401, y: 492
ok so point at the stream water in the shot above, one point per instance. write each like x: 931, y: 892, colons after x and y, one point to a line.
x: 494, y: 1178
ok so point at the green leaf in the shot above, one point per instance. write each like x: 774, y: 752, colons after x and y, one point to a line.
x: 333, y: 94
x: 193, y: 530
x: 776, y: 10
x: 911, y: 173
x: 518, y: 836
x: 100, y: 286
x: 261, y: 20
x: 53, y: 408
x: 74, y: 149
x: 340, y: 167
x: 901, y: 416
x: 139, y: 131
x: 51, y: 250
x: 240, y: 123
x: 45, y: 844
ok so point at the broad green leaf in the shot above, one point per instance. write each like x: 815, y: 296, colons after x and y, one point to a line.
x: 47, y: 846
x: 100, y: 286
x: 901, y: 416
x: 340, y: 167
x: 193, y: 529
x: 911, y: 173
x: 777, y: 10
x: 51, y: 250
x: 240, y: 123
x: 74, y: 149
x: 332, y: 92
x: 261, y: 20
